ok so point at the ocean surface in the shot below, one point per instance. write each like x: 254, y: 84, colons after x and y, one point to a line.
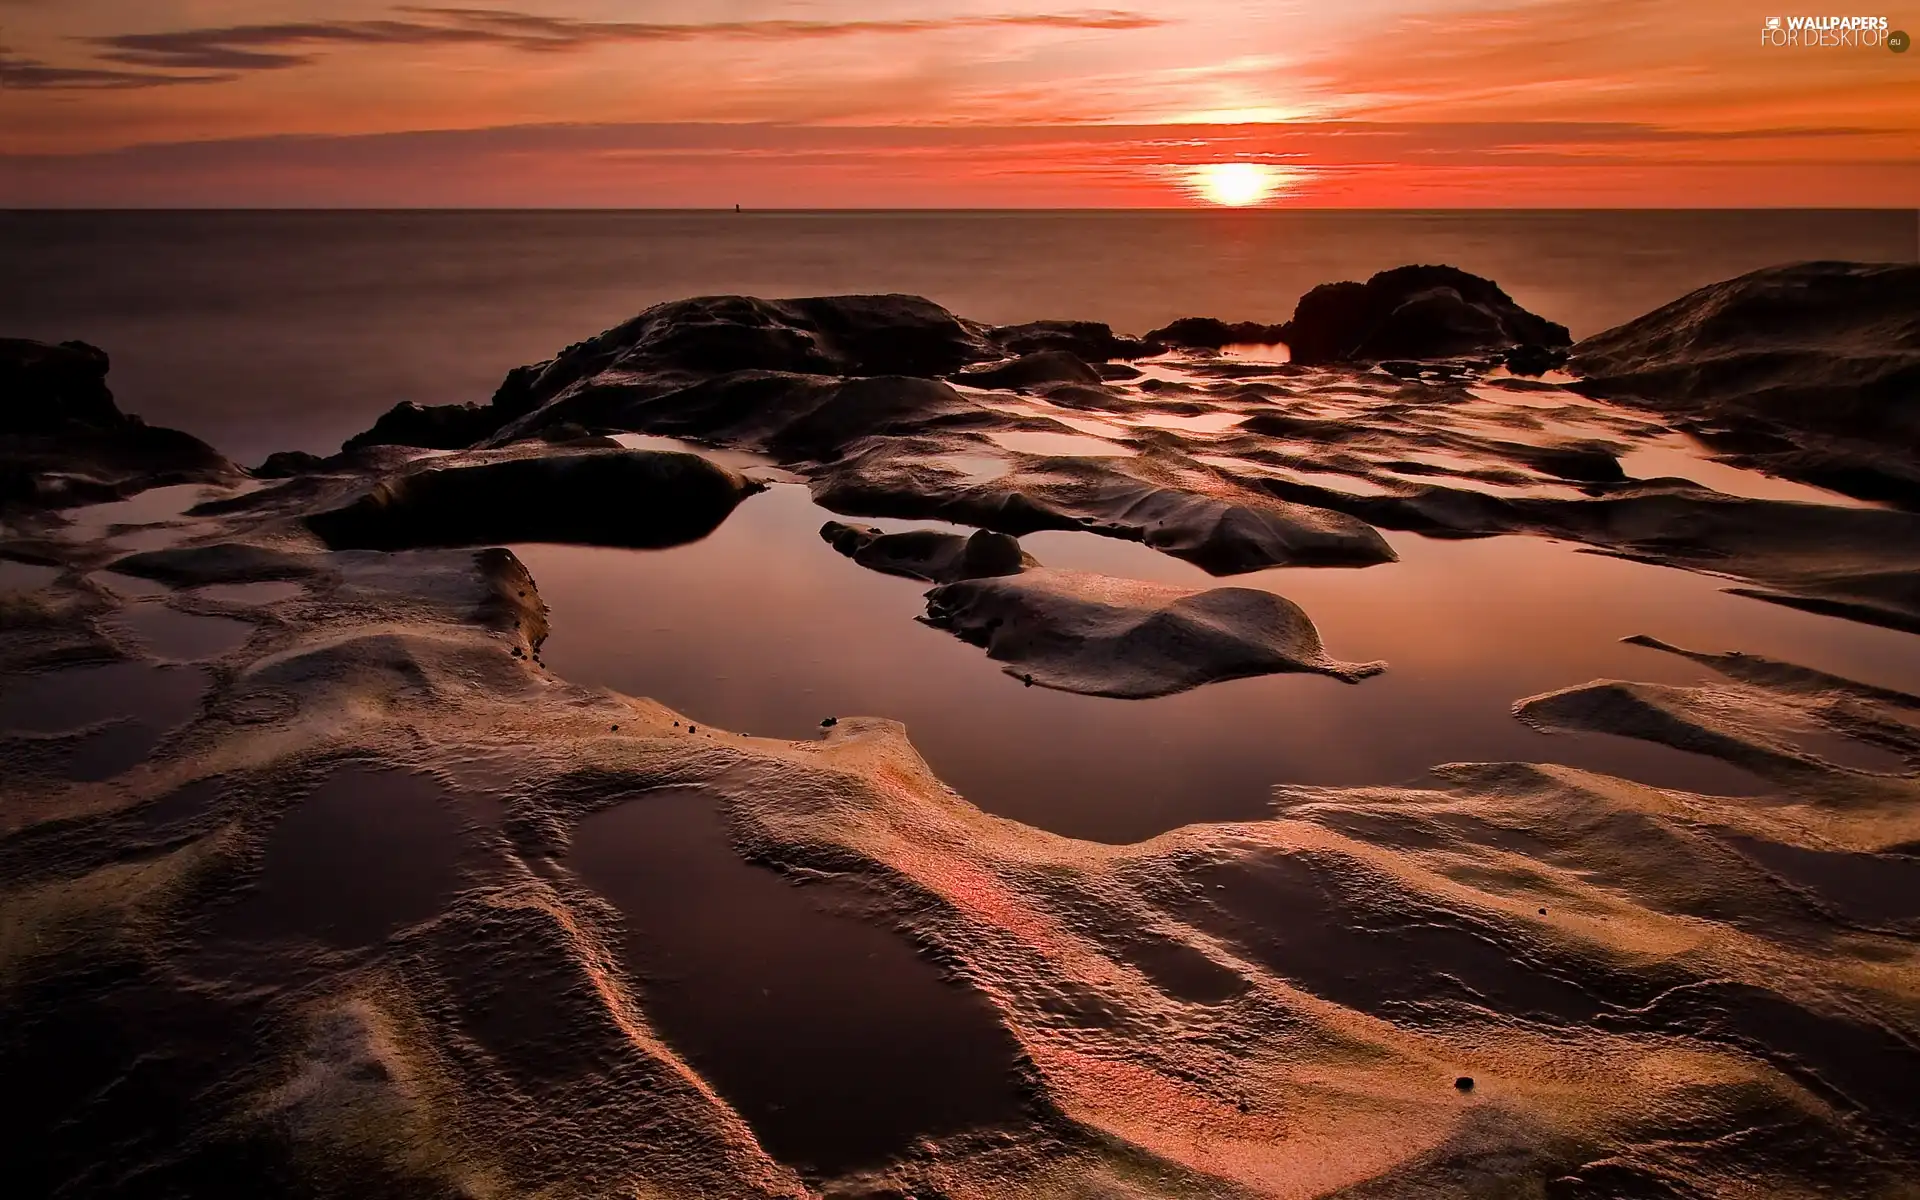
x: 264, y: 331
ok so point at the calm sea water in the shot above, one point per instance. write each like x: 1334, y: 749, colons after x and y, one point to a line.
x: 266, y: 331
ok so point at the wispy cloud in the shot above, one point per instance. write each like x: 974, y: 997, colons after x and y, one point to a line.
x: 32, y: 74
x: 291, y: 44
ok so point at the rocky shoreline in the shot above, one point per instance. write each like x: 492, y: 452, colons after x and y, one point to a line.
x: 1654, y: 991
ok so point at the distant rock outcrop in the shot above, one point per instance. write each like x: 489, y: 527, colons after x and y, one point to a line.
x: 827, y: 335
x: 1414, y: 312
x: 1091, y: 341
x: 1209, y: 333
x: 435, y: 427
x: 64, y: 441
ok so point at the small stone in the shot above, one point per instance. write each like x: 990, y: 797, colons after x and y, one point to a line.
x: 693, y: 729
x: 1464, y: 1083
x: 1543, y: 912
x: 1027, y: 679
x: 676, y: 724
x: 616, y: 729
x: 830, y: 722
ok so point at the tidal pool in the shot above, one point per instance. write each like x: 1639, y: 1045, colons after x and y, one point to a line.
x: 764, y: 628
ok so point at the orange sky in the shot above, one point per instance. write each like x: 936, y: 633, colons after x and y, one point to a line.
x: 943, y: 103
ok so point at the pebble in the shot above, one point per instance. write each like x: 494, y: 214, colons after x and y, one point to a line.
x: 830, y: 722
x: 1464, y: 1083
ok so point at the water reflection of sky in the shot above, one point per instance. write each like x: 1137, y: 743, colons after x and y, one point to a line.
x: 763, y: 628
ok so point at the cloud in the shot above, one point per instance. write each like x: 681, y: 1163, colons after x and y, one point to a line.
x: 32, y: 74
x: 272, y: 47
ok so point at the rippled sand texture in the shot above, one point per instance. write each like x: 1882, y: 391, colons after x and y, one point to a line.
x: 391, y: 909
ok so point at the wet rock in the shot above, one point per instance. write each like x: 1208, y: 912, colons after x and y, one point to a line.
x: 285, y: 464
x: 929, y: 554
x: 567, y: 433
x: 1581, y: 462
x: 1822, y: 346
x: 224, y: 563
x: 1091, y: 341
x: 829, y: 335
x: 635, y: 498
x: 1813, y: 369
x: 1531, y: 359
x: 1102, y: 636
x: 795, y: 417
x: 1209, y: 333
x: 1414, y: 312
x: 1223, y: 534
x: 63, y: 440
x: 438, y: 427
x: 1032, y: 370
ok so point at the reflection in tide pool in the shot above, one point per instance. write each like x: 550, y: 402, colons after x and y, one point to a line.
x: 764, y: 629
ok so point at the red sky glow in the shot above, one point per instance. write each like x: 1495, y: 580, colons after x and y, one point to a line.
x: 955, y: 104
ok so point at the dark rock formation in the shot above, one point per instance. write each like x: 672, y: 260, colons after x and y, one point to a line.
x: 1819, y: 347
x: 795, y: 416
x: 1032, y: 370
x: 1531, y: 359
x: 45, y: 387
x: 1810, y: 371
x: 929, y: 554
x: 63, y: 441
x: 436, y: 427
x: 1415, y: 312
x: 829, y: 335
x: 635, y: 498
x: 1090, y: 341
x: 1102, y: 636
x: 1223, y: 534
x: 285, y: 464
x: 1208, y: 333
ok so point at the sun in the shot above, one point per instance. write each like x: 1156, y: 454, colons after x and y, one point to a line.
x: 1235, y: 184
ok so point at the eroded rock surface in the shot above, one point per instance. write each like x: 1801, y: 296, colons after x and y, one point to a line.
x: 1809, y: 371
x: 1102, y: 636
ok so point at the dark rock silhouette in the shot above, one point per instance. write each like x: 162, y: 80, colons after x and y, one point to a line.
x: 64, y: 441
x: 1414, y: 312
x: 929, y: 554
x: 285, y: 464
x: 828, y: 335
x: 436, y: 427
x: 1208, y: 333
x: 46, y: 387
x: 1091, y: 341
x: 637, y: 498
x: 1032, y: 370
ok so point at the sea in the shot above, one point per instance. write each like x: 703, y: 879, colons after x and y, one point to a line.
x: 271, y: 330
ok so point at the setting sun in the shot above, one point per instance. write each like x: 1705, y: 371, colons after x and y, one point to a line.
x: 1235, y: 184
